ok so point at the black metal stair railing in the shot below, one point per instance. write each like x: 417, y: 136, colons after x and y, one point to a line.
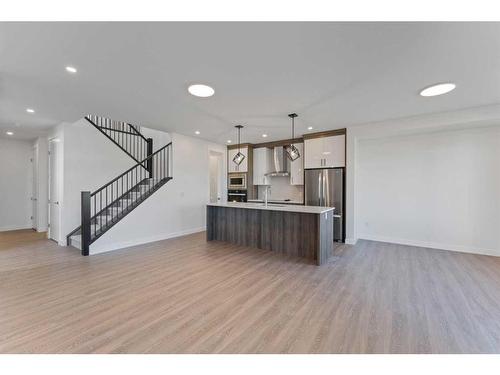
x: 103, y: 208
x: 124, y: 135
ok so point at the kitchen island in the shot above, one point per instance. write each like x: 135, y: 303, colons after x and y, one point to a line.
x: 300, y: 231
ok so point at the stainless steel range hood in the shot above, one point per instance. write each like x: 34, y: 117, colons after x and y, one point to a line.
x: 280, y: 163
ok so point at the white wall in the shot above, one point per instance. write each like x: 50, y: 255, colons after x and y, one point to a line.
x: 90, y: 161
x: 461, y: 119
x: 15, y: 184
x: 438, y: 189
x: 178, y: 208
x: 159, y: 138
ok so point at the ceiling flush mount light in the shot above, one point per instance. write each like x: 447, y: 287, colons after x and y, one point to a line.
x: 229, y: 141
x: 9, y: 133
x: 29, y: 110
x: 439, y: 89
x: 239, y: 157
x: 71, y: 69
x: 291, y: 151
x: 264, y: 135
x: 197, y: 132
x: 202, y: 91
x: 309, y: 128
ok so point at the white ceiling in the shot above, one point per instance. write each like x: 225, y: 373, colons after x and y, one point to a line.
x: 332, y: 74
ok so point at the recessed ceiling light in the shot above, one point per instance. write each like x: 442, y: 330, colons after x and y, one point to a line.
x: 309, y: 128
x: 439, y: 89
x: 197, y: 132
x: 202, y: 91
x: 9, y: 133
x: 29, y: 110
x: 229, y: 141
x: 264, y: 135
x: 71, y: 69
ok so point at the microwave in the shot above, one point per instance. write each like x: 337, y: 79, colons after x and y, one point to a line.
x: 237, y: 181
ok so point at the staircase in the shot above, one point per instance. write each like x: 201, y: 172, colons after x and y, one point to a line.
x: 105, y: 207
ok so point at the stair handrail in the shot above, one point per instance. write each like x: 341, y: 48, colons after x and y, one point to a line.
x: 137, y: 131
x: 89, y: 118
x: 86, y: 196
x: 130, y: 169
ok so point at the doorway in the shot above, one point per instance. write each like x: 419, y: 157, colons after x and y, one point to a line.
x: 54, y: 189
x: 215, y: 176
x: 34, y: 188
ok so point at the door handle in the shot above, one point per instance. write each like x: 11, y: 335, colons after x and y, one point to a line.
x: 319, y: 188
x: 56, y: 202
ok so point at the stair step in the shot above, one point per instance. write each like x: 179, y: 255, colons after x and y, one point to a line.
x: 113, y: 214
x: 129, y: 201
x: 76, y: 241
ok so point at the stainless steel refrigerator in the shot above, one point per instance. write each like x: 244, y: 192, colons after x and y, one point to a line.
x: 325, y: 187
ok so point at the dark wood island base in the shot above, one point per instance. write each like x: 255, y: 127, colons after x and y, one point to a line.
x: 306, y: 234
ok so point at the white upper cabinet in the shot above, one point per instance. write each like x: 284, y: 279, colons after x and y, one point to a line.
x: 231, y: 165
x: 262, y: 164
x: 325, y: 152
x: 297, y: 167
x: 313, y: 153
x: 334, y: 151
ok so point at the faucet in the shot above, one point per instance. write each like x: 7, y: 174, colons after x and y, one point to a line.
x: 266, y: 193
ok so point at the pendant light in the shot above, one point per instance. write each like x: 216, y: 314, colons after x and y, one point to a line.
x: 239, y: 157
x: 291, y: 151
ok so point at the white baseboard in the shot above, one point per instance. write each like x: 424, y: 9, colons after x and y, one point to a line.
x: 351, y: 241
x: 96, y: 249
x: 15, y: 227
x: 433, y: 245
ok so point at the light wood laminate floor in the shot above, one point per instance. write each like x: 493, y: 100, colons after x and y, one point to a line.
x: 185, y: 295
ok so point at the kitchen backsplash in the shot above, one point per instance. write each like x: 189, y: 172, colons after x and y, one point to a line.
x: 281, y: 189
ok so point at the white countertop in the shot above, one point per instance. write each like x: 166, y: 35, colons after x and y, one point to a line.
x: 279, y: 201
x: 275, y: 207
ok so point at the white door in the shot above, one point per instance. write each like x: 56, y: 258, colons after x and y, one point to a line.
x: 54, y: 193
x: 34, y: 189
